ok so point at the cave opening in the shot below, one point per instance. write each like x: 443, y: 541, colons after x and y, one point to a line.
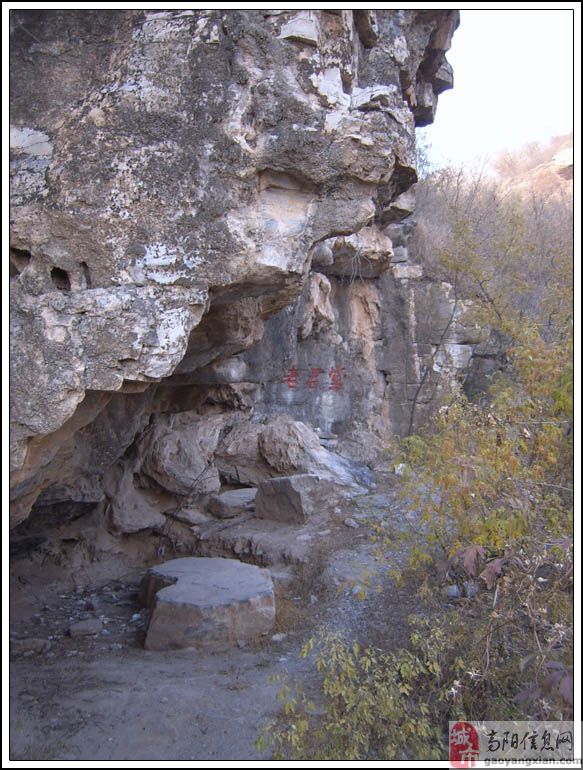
x: 19, y: 260
x: 60, y: 279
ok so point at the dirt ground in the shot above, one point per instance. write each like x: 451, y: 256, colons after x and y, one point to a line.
x: 103, y: 697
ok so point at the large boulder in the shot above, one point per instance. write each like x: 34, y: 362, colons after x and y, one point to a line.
x: 291, y: 447
x: 132, y: 509
x: 282, y: 446
x: 194, y: 601
x: 238, y: 458
x: 290, y: 499
x: 177, y: 453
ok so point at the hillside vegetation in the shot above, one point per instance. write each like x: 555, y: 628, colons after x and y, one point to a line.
x: 493, y: 480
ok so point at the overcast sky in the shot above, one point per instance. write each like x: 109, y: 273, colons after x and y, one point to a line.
x: 513, y: 75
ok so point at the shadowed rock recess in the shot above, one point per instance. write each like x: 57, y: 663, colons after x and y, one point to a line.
x: 210, y: 284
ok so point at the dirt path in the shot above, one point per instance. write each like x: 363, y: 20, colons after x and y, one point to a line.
x: 136, y: 705
x: 104, y: 697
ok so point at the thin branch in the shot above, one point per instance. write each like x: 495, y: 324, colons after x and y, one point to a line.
x: 554, y: 486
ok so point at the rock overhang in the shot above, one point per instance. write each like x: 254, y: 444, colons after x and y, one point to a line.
x: 208, y: 152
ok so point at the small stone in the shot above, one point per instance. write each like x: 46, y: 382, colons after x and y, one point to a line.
x: 27, y: 698
x: 324, y: 532
x: 191, y: 516
x: 337, y: 511
x: 88, y: 627
x: 351, y: 523
x: 313, y: 599
x: 281, y: 575
x: 96, y: 116
x: 29, y: 646
x: 356, y: 590
x: 471, y: 588
x: 164, y: 700
x: 135, y: 617
x: 278, y: 637
x: 241, y: 643
x: 453, y: 592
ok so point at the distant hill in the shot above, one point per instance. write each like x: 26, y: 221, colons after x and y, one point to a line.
x: 540, y: 168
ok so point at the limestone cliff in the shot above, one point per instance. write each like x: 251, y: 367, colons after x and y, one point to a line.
x: 206, y: 231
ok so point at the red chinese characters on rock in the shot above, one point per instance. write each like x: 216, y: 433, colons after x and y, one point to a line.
x: 313, y: 381
x: 291, y: 378
x: 336, y: 375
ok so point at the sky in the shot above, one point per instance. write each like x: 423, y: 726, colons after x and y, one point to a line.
x: 513, y: 84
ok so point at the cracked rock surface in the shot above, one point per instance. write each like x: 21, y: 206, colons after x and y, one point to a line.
x: 206, y: 208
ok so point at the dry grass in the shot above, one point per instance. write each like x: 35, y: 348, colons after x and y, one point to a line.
x: 293, y: 609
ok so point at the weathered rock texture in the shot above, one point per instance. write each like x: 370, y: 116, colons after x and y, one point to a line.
x: 205, y: 206
x: 232, y: 503
x: 288, y: 498
x: 197, y: 601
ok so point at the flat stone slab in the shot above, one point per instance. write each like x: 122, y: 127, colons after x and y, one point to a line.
x: 87, y: 627
x: 197, y: 600
x: 265, y: 541
x: 232, y: 503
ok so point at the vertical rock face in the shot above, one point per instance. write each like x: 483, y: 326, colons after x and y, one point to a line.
x: 203, y: 221
x: 379, y: 348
